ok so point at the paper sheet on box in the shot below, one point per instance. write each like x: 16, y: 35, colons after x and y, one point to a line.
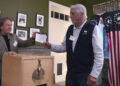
x: 41, y: 38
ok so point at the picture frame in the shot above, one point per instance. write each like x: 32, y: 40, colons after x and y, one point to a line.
x: 40, y: 20
x: 32, y: 30
x: 22, y: 34
x: 21, y: 20
x: 12, y: 29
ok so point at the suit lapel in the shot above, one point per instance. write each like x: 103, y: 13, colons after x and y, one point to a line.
x: 3, y: 42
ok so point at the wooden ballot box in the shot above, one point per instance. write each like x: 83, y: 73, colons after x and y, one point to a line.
x: 27, y: 70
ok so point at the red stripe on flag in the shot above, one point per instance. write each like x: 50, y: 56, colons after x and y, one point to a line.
x: 118, y: 35
x: 110, y: 64
x: 112, y: 58
x: 111, y: 61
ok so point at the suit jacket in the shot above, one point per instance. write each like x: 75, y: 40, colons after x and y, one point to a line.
x: 15, y: 42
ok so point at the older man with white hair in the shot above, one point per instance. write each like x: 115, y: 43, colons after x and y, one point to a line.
x: 84, y: 49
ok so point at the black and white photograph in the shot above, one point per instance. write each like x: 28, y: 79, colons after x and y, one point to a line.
x: 40, y: 20
x: 22, y: 20
x: 32, y: 30
x: 12, y: 29
x: 22, y: 34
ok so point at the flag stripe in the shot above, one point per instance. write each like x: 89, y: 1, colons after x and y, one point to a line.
x: 116, y: 56
x: 119, y: 54
x: 112, y: 59
x: 117, y: 48
x: 109, y: 66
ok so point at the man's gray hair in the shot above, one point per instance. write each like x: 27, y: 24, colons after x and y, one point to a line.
x: 80, y: 9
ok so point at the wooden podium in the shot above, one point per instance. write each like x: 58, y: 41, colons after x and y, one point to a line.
x: 27, y: 70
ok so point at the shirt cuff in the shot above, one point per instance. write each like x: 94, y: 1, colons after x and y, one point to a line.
x: 94, y: 74
x: 52, y: 47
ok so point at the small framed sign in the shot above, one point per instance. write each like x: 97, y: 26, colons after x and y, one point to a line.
x: 21, y: 20
x: 40, y: 20
x: 32, y: 30
x: 22, y: 34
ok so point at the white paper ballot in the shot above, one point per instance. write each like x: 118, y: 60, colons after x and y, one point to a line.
x: 41, y: 38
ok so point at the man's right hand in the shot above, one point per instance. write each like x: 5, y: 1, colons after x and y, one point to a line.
x: 47, y: 45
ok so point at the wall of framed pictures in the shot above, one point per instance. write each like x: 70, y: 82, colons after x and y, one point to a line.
x: 22, y: 23
x: 24, y: 14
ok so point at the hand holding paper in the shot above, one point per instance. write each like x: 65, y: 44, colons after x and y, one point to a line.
x: 41, y: 38
x: 47, y: 45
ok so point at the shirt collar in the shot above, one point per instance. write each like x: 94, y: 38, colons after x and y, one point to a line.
x: 81, y: 25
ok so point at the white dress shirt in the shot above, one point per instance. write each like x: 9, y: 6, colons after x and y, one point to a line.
x: 97, y: 48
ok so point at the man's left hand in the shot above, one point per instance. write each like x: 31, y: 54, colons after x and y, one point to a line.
x: 91, y: 81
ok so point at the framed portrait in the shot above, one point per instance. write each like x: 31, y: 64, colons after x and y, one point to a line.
x: 22, y: 34
x: 32, y: 30
x: 21, y: 20
x: 40, y: 20
x: 12, y: 29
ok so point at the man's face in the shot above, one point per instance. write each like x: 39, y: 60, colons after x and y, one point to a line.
x: 75, y: 17
x: 6, y: 28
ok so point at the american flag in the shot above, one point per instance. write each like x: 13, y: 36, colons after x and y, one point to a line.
x: 112, y: 26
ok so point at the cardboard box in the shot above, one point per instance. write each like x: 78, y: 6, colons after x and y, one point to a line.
x: 27, y: 70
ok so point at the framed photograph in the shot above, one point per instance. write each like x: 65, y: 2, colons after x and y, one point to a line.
x: 32, y: 30
x: 12, y: 30
x: 22, y: 34
x: 21, y: 20
x: 40, y: 20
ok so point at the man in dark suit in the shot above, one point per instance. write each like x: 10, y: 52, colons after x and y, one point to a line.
x: 9, y: 43
x: 84, y: 49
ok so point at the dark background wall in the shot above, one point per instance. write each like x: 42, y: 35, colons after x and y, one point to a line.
x: 10, y: 8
